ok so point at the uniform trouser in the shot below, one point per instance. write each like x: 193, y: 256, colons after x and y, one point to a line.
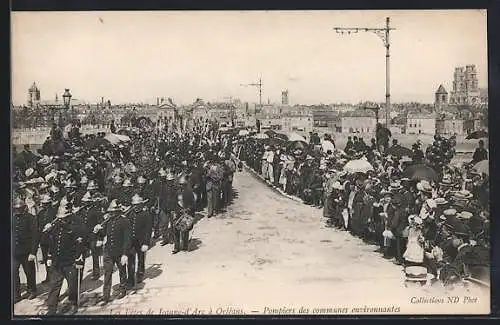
x: 109, y: 263
x: 45, y: 254
x: 228, y: 191
x: 165, y: 220
x: 95, y: 252
x: 57, y: 275
x: 131, y: 270
x: 156, y: 223
x: 264, y: 169
x: 270, y: 172
x: 29, y: 271
x: 213, y: 198
x: 181, y: 240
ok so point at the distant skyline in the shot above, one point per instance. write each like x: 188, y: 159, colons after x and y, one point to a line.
x: 138, y: 56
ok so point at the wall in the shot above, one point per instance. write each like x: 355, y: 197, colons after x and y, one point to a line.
x: 419, y: 125
x: 358, y: 124
x: 38, y: 135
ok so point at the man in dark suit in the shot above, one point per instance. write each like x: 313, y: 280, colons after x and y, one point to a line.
x: 185, y: 209
x: 480, y: 153
x: 25, y: 237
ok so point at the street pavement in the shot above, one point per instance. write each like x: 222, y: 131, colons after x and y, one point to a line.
x: 266, y: 254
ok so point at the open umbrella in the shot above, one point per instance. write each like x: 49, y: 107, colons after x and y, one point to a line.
x: 116, y: 138
x: 399, y: 151
x: 260, y: 136
x: 281, y: 136
x: 327, y: 145
x: 294, y: 145
x: 482, y: 167
x: 96, y: 142
x: 477, y: 135
x: 296, y: 137
x: 420, y: 172
x: 243, y: 132
x: 358, y: 166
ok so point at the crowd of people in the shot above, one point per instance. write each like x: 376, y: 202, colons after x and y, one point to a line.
x: 420, y: 210
x: 85, y: 197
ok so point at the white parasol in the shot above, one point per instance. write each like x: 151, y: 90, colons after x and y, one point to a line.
x: 296, y: 137
x: 358, y: 166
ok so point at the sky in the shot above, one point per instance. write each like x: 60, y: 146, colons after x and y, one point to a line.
x: 139, y: 56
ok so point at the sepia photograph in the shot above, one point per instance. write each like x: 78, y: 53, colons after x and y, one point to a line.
x: 248, y: 163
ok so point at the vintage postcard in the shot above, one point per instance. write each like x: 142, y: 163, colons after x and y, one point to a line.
x: 250, y: 163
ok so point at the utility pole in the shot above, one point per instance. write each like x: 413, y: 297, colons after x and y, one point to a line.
x: 383, y: 33
x: 259, y: 85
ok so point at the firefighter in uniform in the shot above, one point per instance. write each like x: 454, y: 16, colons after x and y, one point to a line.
x: 66, y: 247
x: 141, y: 225
x: 168, y: 202
x: 117, y: 247
x: 46, y: 215
x: 91, y: 216
x: 185, y: 209
x: 127, y: 191
x: 25, y: 247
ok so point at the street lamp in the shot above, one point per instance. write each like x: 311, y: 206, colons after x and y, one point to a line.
x: 67, y: 98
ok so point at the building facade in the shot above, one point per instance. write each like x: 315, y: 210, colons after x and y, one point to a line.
x: 465, y: 86
x: 421, y: 124
x: 302, y: 124
x: 440, y: 98
x: 358, y: 124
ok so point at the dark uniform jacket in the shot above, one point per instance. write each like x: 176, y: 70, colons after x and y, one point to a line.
x: 90, y: 216
x: 45, y: 216
x: 25, y: 234
x: 141, y: 224
x: 119, y: 236
x: 66, y: 241
x: 168, y: 196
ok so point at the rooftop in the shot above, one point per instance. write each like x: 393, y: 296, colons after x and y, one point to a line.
x: 441, y: 90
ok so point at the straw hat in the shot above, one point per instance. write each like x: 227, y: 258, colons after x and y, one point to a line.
x: 336, y: 185
x: 431, y: 203
x: 182, y: 180
x: 440, y: 201
x: 405, y: 159
x: 424, y: 186
x: 84, y: 180
x: 396, y: 185
x: 462, y: 195
x: 18, y: 203
x: 127, y: 183
x: 448, y: 213
x: 170, y: 176
x: 141, y: 180
x: 92, y: 185
x: 446, y: 180
x: 309, y: 157
x: 117, y: 179
x: 45, y: 199
x: 465, y: 215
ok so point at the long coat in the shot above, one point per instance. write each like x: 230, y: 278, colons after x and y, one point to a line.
x: 141, y: 224
x: 66, y: 241
x: 25, y: 234
x: 118, y: 236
